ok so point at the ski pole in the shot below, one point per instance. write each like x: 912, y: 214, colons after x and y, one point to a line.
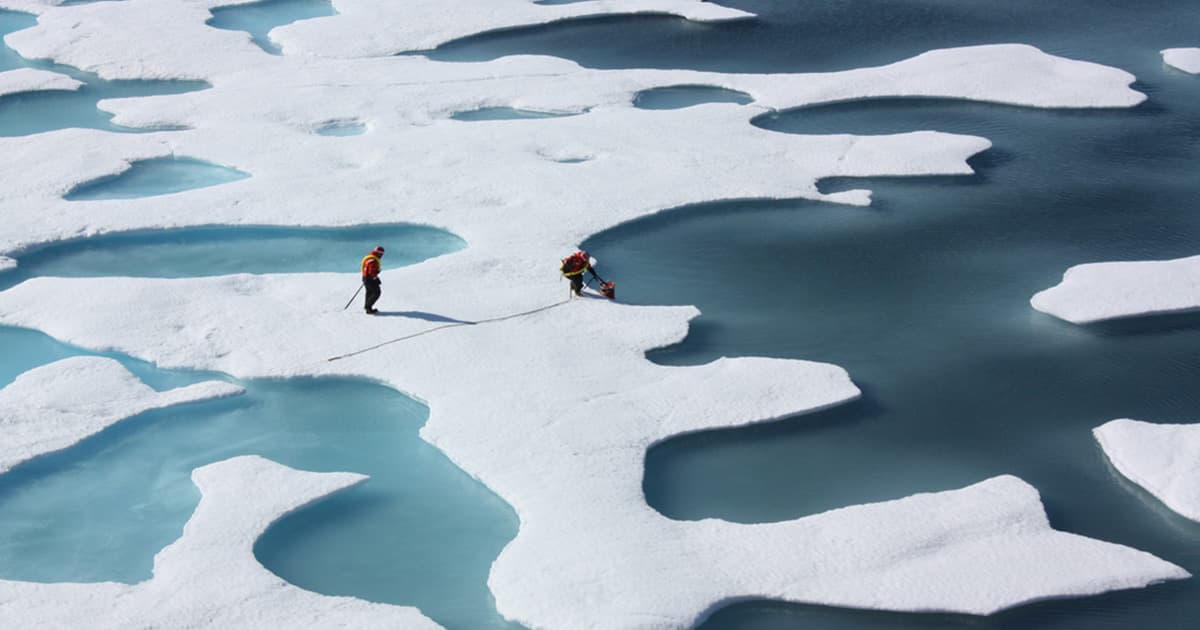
x: 360, y: 287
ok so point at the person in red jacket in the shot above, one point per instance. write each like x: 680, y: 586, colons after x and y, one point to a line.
x: 575, y: 265
x: 371, y: 267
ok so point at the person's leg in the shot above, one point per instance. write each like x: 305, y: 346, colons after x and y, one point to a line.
x: 374, y: 290
x: 577, y: 284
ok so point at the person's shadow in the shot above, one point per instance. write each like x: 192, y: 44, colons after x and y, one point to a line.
x: 430, y: 317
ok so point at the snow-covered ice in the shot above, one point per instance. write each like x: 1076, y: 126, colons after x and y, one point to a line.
x: 1162, y: 458
x: 1110, y: 290
x: 7, y: 263
x: 1186, y: 59
x: 209, y: 578
x: 57, y: 405
x: 493, y: 182
x: 568, y: 454
x: 30, y: 80
x: 555, y: 422
x: 83, y: 35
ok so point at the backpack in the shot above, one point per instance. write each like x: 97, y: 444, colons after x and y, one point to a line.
x: 574, y: 262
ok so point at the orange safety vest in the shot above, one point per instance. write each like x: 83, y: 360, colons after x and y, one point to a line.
x: 370, y: 266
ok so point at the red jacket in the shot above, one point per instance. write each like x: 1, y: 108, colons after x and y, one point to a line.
x: 575, y: 264
x: 370, y: 266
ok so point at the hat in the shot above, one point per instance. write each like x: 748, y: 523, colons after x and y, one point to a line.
x: 378, y: 251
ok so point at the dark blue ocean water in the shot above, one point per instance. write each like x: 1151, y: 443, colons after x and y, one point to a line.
x: 923, y: 297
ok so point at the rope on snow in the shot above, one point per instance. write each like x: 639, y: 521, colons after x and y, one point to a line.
x: 452, y: 325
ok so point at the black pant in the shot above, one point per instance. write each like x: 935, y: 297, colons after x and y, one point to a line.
x: 374, y: 290
x: 576, y: 283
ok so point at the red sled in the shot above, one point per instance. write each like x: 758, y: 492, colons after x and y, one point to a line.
x: 608, y: 290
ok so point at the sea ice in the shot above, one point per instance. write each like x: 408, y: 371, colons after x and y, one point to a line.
x: 91, y: 37
x: 976, y: 550
x: 480, y: 179
x: 1110, y: 290
x: 30, y: 80
x: 1186, y: 59
x: 567, y: 453
x: 7, y: 263
x: 1162, y: 458
x: 55, y: 406
x: 553, y: 410
x: 209, y: 578
x: 108, y: 37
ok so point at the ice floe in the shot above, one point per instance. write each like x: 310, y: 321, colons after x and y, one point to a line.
x: 975, y: 550
x: 210, y: 578
x: 480, y: 179
x: 57, y: 405
x: 558, y: 423
x: 1110, y: 290
x: 7, y: 263
x: 1186, y: 59
x: 1162, y: 458
x: 113, y: 39
x: 31, y: 80
x: 549, y: 402
x: 108, y: 38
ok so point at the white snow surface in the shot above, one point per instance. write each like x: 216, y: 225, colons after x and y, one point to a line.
x: 1186, y: 59
x: 7, y: 263
x: 568, y: 454
x: 57, y: 405
x: 1162, y: 458
x: 30, y: 80
x: 553, y: 410
x: 209, y: 578
x: 84, y: 35
x: 496, y: 181
x: 1110, y: 290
